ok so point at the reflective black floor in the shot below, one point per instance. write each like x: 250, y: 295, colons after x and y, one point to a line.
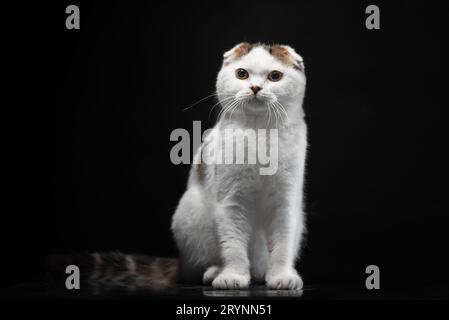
x: 56, y: 290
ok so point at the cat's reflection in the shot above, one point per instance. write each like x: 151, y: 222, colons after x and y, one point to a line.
x: 253, y: 292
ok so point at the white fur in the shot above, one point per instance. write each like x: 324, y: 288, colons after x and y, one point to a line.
x: 237, y: 225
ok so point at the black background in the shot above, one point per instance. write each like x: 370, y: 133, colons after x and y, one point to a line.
x: 93, y: 109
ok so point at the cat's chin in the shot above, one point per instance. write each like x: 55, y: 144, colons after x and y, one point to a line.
x: 256, y: 106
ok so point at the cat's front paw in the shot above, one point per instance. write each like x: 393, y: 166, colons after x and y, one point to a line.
x: 284, y: 281
x: 211, y: 273
x: 231, y: 280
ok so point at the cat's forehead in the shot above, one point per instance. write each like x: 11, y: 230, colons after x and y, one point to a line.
x: 259, y: 58
x: 259, y: 55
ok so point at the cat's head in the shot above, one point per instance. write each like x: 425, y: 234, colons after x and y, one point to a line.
x: 257, y: 75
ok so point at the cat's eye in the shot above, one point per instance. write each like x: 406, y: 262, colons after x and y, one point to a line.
x: 275, y: 76
x: 241, y: 74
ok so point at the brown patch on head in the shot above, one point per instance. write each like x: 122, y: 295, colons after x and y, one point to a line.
x: 282, y: 54
x: 242, y: 50
x: 237, y: 52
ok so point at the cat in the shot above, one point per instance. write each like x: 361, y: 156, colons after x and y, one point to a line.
x: 233, y: 224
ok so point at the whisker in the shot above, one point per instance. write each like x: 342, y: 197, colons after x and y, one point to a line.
x: 240, y: 104
x: 219, y: 102
x: 278, y: 110
x: 281, y: 116
x: 223, y: 109
x: 226, y: 109
x: 275, y: 113
x: 281, y: 108
x: 231, y: 110
x: 269, y: 114
x: 202, y: 99
x: 234, y: 108
x: 245, y: 104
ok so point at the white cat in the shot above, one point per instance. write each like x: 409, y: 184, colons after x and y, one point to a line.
x: 233, y: 224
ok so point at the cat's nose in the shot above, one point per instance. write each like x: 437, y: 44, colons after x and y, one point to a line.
x: 255, y: 89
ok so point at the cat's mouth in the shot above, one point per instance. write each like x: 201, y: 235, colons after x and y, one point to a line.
x: 257, y: 104
x: 258, y: 99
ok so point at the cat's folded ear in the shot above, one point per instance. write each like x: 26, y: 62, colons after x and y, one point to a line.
x: 236, y: 52
x: 298, y: 60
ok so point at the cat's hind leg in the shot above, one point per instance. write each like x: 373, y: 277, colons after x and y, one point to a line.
x: 194, y: 230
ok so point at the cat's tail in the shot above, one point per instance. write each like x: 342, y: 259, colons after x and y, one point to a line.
x: 119, y: 269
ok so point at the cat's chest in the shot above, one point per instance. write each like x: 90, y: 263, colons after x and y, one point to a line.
x: 255, y: 138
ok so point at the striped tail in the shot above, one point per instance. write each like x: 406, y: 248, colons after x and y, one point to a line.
x: 119, y: 269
